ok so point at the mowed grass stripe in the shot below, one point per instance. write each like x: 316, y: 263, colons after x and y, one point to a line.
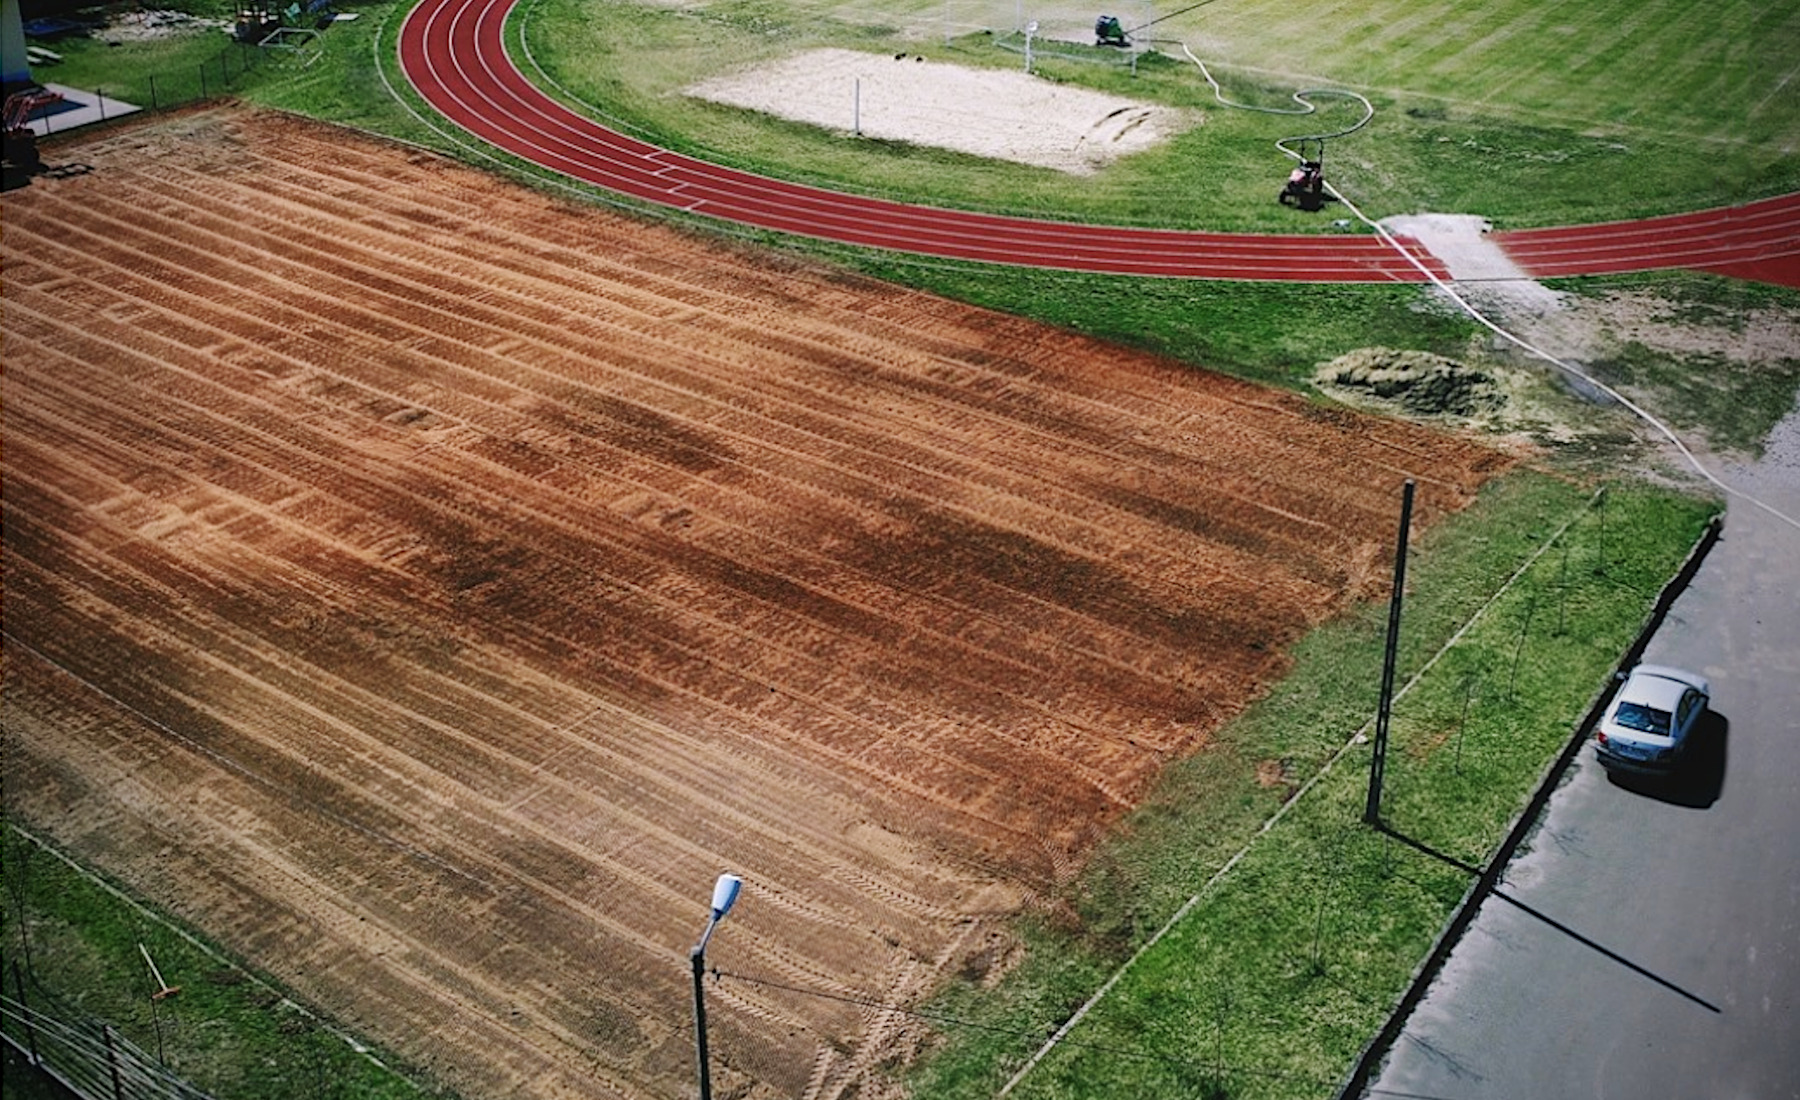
x: 1681, y: 67
x: 1523, y: 113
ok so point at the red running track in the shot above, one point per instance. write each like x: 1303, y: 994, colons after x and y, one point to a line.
x: 453, y: 52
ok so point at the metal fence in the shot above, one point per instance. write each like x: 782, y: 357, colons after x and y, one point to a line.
x: 87, y: 1056
x: 221, y: 74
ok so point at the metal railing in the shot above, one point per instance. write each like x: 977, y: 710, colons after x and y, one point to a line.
x: 87, y: 1056
x: 220, y: 74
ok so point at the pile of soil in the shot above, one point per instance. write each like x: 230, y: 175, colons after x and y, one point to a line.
x: 1418, y: 382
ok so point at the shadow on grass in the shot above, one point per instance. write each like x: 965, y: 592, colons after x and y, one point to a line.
x: 1698, y: 781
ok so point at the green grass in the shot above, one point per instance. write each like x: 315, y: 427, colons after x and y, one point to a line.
x: 1526, y: 113
x: 1268, y: 332
x: 1733, y: 405
x: 1272, y: 983
x: 1292, y: 961
x: 337, y: 80
x: 159, y: 73
x: 346, y: 84
x: 75, y: 946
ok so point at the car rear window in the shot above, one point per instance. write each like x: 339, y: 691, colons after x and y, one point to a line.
x: 1637, y: 716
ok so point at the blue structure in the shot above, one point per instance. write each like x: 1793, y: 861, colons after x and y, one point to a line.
x: 12, y: 47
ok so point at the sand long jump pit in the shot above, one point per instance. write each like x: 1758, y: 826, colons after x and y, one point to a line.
x: 428, y: 588
x: 1006, y: 115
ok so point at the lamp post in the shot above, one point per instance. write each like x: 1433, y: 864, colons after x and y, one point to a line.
x: 725, y: 894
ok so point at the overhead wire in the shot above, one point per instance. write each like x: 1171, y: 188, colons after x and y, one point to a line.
x: 1446, y: 287
x: 1102, y: 1048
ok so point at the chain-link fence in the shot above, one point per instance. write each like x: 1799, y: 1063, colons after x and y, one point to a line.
x: 221, y: 74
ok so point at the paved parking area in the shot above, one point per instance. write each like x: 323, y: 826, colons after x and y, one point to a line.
x: 1677, y: 972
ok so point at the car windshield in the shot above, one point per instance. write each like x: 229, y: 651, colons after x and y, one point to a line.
x: 1637, y: 716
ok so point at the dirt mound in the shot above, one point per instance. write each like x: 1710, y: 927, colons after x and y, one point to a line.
x: 1418, y: 382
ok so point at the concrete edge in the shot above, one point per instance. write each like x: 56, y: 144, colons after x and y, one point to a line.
x: 1363, y: 1073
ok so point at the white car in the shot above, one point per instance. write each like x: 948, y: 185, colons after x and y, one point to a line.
x: 1651, y: 721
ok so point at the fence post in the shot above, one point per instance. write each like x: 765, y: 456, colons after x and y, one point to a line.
x: 100, y: 102
x: 112, y: 1061
x: 203, y: 82
x: 25, y: 1014
x: 1524, y: 629
x: 153, y: 92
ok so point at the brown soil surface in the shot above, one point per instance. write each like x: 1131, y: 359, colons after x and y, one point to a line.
x: 428, y: 588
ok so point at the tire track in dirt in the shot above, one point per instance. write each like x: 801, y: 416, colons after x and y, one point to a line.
x: 747, y: 323
x: 1244, y: 564
x: 197, y: 850
x: 894, y: 898
x: 586, y: 563
x: 467, y: 510
x: 963, y: 476
x: 486, y: 865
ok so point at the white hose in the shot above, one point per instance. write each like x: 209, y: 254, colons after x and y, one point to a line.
x: 1306, y: 108
x: 1560, y: 364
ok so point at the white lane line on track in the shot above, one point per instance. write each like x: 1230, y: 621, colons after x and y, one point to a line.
x: 541, y: 130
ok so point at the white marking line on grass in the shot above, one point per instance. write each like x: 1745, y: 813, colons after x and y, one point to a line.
x: 1779, y: 85
x: 1355, y: 739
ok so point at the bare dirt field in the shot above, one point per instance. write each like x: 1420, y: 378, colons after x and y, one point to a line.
x: 428, y: 588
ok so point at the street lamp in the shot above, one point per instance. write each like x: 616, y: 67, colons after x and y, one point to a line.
x: 725, y: 894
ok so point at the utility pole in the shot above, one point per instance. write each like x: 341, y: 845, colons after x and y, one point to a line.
x: 1378, y: 764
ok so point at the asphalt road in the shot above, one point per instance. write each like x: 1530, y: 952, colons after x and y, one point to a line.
x: 1676, y: 970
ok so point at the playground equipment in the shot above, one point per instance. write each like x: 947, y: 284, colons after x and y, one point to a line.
x: 256, y: 20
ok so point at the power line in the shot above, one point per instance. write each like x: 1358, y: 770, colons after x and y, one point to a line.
x: 1099, y: 1048
x: 1171, y: 15
x: 1215, y: 1068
